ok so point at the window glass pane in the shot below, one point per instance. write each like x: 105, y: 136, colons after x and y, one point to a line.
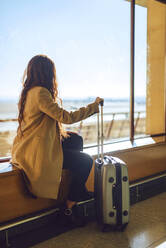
x: 105, y: 70
x: 90, y: 44
x: 140, y: 69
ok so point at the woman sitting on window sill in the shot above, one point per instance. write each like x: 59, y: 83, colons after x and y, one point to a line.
x: 42, y: 148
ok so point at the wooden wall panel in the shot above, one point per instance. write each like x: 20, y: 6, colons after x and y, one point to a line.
x: 15, y: 200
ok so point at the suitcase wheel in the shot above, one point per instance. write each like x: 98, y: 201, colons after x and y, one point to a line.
x: 123, y: 227
x: 106, y: 228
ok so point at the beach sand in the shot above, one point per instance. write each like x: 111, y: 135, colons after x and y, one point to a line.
x: 112, y: 130
x: 6, y: 141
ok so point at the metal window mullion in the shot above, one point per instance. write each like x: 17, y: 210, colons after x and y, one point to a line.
x: 165, y: 86
x: 132, y: 64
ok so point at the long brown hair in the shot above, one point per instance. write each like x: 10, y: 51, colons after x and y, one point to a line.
x: 39, y: 72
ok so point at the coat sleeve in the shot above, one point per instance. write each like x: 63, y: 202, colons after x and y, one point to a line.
x: 52, y: 109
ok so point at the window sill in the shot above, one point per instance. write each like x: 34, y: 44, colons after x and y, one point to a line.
x: 120, y: 145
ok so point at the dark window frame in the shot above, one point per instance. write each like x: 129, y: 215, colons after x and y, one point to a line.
x: 132, y: 69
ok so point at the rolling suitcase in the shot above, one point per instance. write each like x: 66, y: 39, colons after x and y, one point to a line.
x: 111, y: 188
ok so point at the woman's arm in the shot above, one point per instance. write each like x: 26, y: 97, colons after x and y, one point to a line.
x: 52, y: 109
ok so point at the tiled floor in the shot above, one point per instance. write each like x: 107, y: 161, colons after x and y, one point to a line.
x: 147, y: 228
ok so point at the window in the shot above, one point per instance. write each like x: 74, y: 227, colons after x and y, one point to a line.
x: 105, y: 69
x: 140, y: 71
x: 90, y: 44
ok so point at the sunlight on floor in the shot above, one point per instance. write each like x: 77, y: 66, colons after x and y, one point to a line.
x: 163, y: 245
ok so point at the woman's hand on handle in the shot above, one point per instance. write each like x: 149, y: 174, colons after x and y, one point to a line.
x: 99, y: 100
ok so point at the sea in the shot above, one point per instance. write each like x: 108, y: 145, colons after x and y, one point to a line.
x: 119, y: 107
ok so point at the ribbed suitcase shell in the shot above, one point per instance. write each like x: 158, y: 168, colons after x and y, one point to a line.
x: 112, y: 192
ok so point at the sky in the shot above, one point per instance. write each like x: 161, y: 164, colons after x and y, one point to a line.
x: 89, y: 41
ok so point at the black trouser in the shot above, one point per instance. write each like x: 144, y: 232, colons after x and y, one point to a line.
x: 78, y: 163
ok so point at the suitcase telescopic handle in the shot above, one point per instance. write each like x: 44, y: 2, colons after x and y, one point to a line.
x: 100, y: 135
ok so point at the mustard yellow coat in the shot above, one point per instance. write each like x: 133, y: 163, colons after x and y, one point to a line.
x: 39, y: 151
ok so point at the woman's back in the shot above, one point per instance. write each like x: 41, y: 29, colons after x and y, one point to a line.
x: 34, y: 119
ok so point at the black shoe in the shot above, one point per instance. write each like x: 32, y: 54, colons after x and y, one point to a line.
x: 73, y: 218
